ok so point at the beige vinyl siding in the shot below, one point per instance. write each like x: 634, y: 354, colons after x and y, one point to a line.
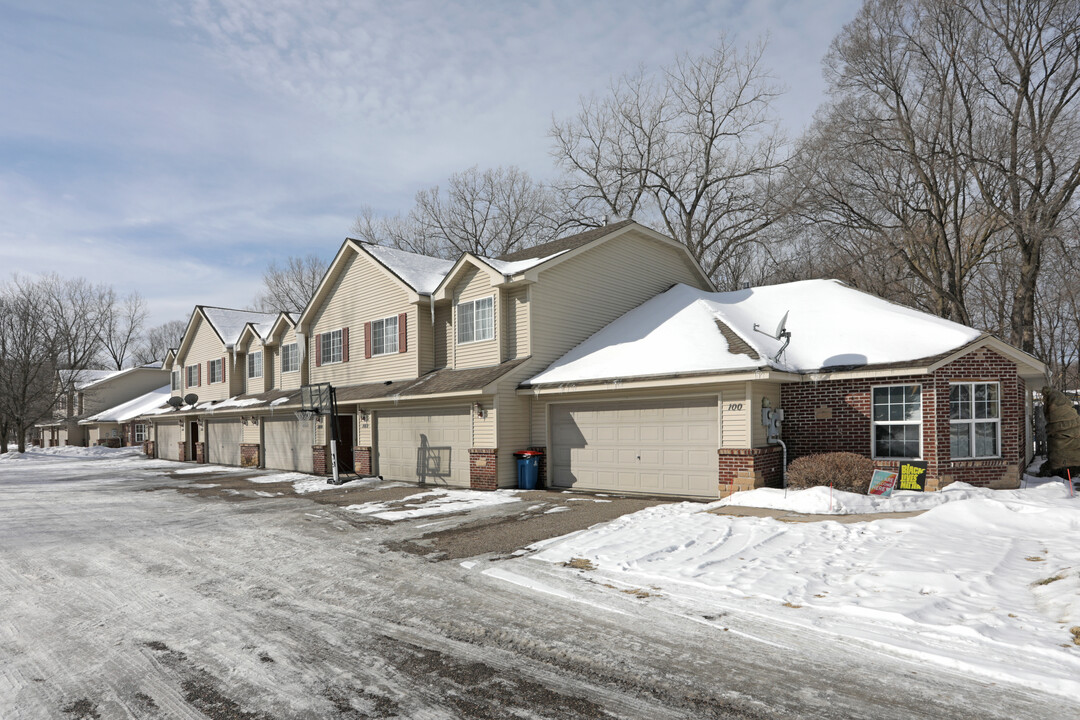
x: 443, y: 335
x: 574, y: 299
x: 363, y: 430
x: 735, y: 410
x: 120, y: 389
x: 250, y: 432
x: 205, y: 345
x: 515, y: 413
x: 425, y: 332
x: 288, y: 380
x: 516, y: 332
x: 484, y: 428
x: 361, y: 293
x: 761, y: 390
x: 474, y: 285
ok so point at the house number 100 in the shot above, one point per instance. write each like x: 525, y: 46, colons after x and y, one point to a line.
x: 734, y: 406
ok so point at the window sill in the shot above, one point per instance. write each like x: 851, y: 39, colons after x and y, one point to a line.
x: 475, y: 342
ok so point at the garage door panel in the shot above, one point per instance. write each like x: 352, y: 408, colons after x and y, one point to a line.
x: 287, y: 445
x: 662, y: 446
x: 167, y: 439
x: 428, y: 445
x: 223, y: 442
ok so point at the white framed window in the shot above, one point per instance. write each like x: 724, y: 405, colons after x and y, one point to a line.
x: 896, y: 412
x: 476, y: 320
x: 192, y: 375
x: 255, y: 365
x: 974, y: 420
x: 384, y: 336
x: 140, y: 432
x: 216, y: 371
x: 175, y: 379
x: 331, y: 347
x: 290, y: 358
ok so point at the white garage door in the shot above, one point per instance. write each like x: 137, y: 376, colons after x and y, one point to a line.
x: 424, y: 445
x: 166, y: 440
x: 663, y: 447
x: 287, y: 444
x: 223, y: 442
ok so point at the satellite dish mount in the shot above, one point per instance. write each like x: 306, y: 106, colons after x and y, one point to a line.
x: 781, y: 333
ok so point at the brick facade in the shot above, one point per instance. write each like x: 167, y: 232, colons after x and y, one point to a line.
x: 181, y: 448
x: 320, y: 459
x: 200, y: 452
x: 362, y: 461
x: 746, y: 469
x: 149, y: 448
x: 834, y: 416
x: 249, y: 455
x: 483, y: 468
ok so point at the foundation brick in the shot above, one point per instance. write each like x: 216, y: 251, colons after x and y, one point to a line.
x: 362, y: 460
x: 483, y: 468
x: 249, y: 455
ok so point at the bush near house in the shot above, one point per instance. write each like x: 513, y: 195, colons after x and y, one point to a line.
x: 846, y: 471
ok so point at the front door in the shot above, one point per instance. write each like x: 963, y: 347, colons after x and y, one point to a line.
x: 345, y: 443
x: 193, y: 439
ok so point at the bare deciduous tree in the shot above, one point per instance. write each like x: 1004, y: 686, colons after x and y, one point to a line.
x: 289, y: 287
x: 488, y: 213
x: 45, y: 325
x: 121, y: 326
x: 692, y: 150
x: 157, y: 341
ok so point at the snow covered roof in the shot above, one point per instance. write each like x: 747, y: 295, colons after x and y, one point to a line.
x: 230, y: 323
x: 686, y: 330
x: 514, y: 267
x: 420, y: 272
x: 131, y: 409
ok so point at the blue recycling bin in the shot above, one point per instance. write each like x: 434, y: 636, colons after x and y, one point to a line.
x: 528, y: 467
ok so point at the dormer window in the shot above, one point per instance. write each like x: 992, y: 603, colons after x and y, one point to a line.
x: 255, y: 365
x: 476, y: 320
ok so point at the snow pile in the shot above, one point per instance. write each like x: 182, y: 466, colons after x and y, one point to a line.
x: 831, y: 326
x: 513, y: 267
x: 73, y: 452
x: 420, y: 272
x: 434, y: 502
x: 986, y: 582
x: 304, y: 484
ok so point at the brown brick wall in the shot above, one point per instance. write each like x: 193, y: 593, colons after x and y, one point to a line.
x: 483, y: 468
x: 148, y: 448
x: 749, y: 468
x: 249, y: 455
x: 182, y: 450
x: 849, y: 427
x: 321, y: 459
x: 362, y: 460
x: 200, y: 452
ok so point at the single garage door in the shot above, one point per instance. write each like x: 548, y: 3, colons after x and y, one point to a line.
x: 223, y: 442
x: 167, y: 440
x: 663, y: 447
x: 424, y: 445
x: 287, y: 444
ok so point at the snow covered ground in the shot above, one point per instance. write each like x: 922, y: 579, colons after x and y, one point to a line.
x: 985, y: 582
x: 123, y: 597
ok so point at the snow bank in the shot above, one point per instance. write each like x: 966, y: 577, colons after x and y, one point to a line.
x: 71, y: 452
x: 986, y: 581
x: 434, y: 502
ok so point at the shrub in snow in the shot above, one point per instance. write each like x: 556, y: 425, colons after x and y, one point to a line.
x: 846, y: 471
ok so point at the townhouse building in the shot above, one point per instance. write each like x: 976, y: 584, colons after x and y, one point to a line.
x: 607, y: 350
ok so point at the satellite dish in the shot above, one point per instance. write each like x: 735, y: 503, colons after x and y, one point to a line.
x: 191, y: 398
x: 782, y: 326
x: 176, y: 401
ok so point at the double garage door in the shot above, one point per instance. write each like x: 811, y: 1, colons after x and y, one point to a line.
x: 166, y: 440
x: 663, y: 447
x: 223, y: 442
x: 287, y: 444
x: 424, y: 445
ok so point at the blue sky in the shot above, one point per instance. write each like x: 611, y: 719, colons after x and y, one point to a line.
x: 177, y: 147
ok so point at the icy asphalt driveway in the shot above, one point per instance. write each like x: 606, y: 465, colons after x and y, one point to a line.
x: 131, y: 590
